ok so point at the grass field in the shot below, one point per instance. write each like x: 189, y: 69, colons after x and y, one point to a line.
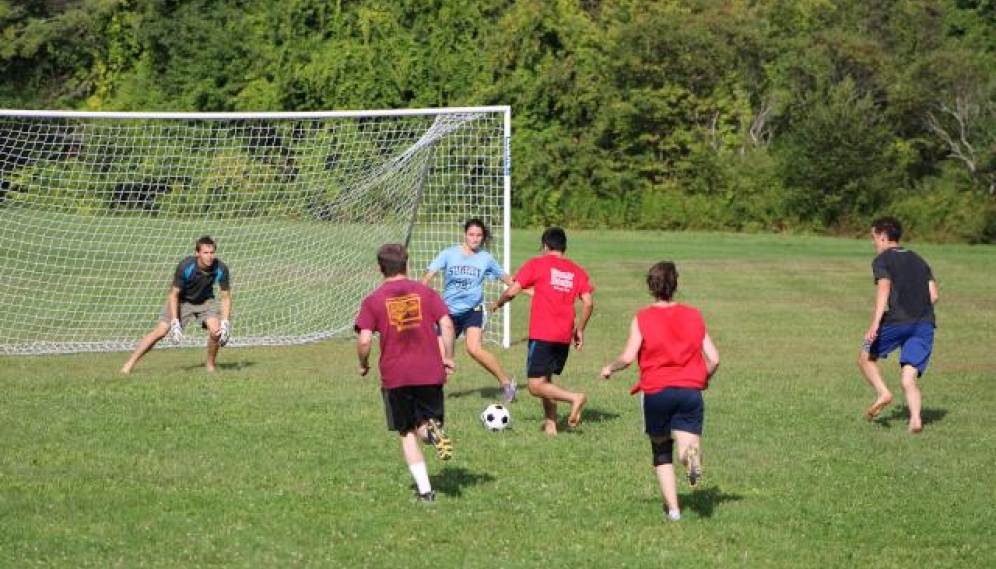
x: 282, y: 460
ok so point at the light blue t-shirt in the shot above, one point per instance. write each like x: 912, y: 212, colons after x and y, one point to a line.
x: 463, y: 277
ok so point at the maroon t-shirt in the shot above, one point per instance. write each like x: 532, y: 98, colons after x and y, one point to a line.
x: 405, y: 313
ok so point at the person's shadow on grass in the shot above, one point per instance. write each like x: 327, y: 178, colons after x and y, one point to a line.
x: 704, y: 500
x: 222, y: 366
x: 588, y: 415
x: 928, y: 415
x: 451, y: 480
x: 484, y: 393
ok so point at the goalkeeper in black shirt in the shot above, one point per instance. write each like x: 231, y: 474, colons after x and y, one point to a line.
x: 191, y: 296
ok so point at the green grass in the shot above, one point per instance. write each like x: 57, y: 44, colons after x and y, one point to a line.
x: 282, y: 459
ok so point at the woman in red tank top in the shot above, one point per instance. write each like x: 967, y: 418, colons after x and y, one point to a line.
x: 676, y: 358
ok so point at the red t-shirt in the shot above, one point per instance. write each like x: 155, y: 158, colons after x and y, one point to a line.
x: 405, y: 313
x: 557, y: 282
x: 671, y: 353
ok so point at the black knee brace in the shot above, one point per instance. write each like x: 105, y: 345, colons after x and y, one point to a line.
x: 663, y: 452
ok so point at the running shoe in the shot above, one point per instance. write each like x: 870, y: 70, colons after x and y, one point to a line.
x: 509, y: 391
x: 694, y: 465
x: 438, y: 438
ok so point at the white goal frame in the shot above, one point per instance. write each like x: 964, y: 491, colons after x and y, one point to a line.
x: 444, y: 166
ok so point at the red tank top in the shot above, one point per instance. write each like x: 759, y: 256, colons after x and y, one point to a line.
x: 671, y: 353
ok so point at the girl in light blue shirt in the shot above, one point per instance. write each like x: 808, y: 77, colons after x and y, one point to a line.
x: 464, y: 269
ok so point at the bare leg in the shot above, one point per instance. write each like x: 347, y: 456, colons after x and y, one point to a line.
x: 869, y: 368
x: 212, y: 344
x: 686, y: 442
x: 544, y: 388
x: 549, y: 416
x: 410, y: 447
x: 667, y: 481
x: 146, y: 344
x: 912, y: 392
x: 487, y: 360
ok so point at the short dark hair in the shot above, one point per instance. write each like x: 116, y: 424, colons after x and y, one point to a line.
x: 205, y: 240
x: 662, y: 280
x: 478, y: 222
x: 554, y: 239
x: 392, y: 259
x: 890, y: 226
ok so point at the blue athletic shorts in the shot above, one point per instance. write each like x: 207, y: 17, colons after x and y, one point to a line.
x: 470, y: 319
x: 674, y: 409
x: 916, y: 342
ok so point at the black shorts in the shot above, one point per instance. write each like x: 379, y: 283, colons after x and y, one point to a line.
x: 546, y: 359
x: 410, y: 406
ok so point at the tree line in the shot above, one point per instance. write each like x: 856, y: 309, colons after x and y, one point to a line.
x: 782, y: 115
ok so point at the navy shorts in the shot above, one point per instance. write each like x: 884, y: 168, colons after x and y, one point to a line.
x: 409, y: 406
x: 674, y: 409
x: 471, y: 319
x: 546, y: 359
x: 916, y: 343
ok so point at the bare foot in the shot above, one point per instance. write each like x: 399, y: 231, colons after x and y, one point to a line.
x: 549, y: 427
x: 126, y: 369
x: 210, y: 367
x: 576, y: 406
x: 916, y: 427
x: 881, y: 403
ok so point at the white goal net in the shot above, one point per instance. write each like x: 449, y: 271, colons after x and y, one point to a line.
x: 97, y: 209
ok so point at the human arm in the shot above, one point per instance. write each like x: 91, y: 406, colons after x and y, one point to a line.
x: 224, y: 329
x: 587, y: 307
x: 173, y: 307
x: 427, y: 277
x: 364, y: 344
x: 173, y: 302
x: 711, y: 355
x: 448, y: 335
x: 507, y: 280
x: 629, y: 353
x: 506, y: 296
x: 932, y: 287
x: 883, y: 288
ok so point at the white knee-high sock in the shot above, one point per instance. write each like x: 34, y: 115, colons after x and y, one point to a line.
x: 421, y: 476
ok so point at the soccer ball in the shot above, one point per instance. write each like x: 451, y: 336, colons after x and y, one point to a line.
x: 496, y: 417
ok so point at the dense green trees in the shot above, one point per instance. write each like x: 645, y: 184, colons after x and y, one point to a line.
x: 744, y: 114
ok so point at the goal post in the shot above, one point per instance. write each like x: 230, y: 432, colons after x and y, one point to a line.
x: 96, y: 210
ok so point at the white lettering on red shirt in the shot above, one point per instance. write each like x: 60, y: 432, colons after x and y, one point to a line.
x: 561, y: 281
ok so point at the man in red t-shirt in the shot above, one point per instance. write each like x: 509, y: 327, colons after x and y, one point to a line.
x: 557, y: 284
x: 405, y: 314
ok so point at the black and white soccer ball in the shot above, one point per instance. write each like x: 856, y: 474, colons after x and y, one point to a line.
x: 496, y: 417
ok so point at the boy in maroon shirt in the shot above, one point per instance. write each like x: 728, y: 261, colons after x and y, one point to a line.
x: 557, y: 283
x: 405, y: 314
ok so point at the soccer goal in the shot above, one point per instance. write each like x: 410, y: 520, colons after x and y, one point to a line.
x: 96, y: 210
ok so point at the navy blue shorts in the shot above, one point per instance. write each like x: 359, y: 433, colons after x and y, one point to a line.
x: 916, y: 343
x: 674, y: 409
x: 409, y: 406
x: 470, y: 319
x: 546, y: 359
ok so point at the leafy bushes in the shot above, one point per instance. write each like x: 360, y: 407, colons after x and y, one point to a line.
x: 771, y: 115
